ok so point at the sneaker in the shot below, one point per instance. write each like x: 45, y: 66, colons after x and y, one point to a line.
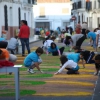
x: 10, y: 73
x: 31, y: 71
x: 28, y: 70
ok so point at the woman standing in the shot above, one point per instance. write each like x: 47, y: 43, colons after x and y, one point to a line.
x: 24, y: 36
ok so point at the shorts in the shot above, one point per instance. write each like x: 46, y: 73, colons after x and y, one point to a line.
x: 32, y: 63
x: 77, y: 68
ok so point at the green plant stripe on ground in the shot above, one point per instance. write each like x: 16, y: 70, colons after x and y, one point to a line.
x: 12, y: 92
x: 50, y: 64
x: 38, y: 75
x: 28, y: 75
x: 6, y: 76
x: 43, y: 69
x: 23, y: 83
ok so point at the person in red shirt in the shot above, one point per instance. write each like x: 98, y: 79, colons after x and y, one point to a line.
x: 47, y: 33
x: 78, y: 28
x: 24, y: 36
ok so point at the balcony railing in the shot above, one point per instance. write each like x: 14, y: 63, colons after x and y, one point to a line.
x: 77, y: 5
x: 30, y: 2
x: 88, y: 6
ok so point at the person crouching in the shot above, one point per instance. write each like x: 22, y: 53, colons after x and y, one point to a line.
x: 70, y: 65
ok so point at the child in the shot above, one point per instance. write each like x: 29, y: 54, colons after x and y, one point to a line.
x: 92, y: 37
x: 55, y: 50
x: 47, y: 42
x: 70, y: 65
x: 76, y: 58
x: 87, y: 56
x: 62, y: 37
x: 75, y: 40
x: 33, y: 60
x: 13, y: 44
x: 97, y: 64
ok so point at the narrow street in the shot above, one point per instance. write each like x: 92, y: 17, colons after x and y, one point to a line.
x: 53, y: 87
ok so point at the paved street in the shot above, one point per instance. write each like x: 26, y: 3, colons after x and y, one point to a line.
x: 57, y: 87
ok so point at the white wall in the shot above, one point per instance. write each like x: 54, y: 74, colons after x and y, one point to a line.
x: 12, y: 9
x: 53, y: 12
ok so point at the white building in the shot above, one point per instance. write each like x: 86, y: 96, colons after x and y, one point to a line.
x: 51, y: 14
x: 84, y: 11
x: 12, y: 12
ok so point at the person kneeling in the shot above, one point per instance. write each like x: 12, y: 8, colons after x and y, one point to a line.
x: 70, y: 65
x: 33, y: 60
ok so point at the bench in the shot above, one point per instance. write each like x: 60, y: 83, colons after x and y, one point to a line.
x: 15, y: 70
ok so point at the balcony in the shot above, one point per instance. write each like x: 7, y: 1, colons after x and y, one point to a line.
x: 77, y: 5
x: 82, y: 5
x: 88, y: 6
x: 29, y: 3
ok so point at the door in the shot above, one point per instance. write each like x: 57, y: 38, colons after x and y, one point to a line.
x: 44, y: 25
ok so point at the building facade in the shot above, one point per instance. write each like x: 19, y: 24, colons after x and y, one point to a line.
x: 51, y: 14
x: 12, y: 12
x: 86, y: 11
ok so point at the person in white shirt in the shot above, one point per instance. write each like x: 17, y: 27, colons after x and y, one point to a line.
x: 70, y: 65
x: 47, y: 43
x: 98, y: 37
x: 13, y: 44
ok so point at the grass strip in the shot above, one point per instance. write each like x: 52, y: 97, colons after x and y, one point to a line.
x: 12, y: 93
x: 39, y: 75
x: 43, y: 69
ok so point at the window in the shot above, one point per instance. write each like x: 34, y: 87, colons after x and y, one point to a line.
x: 94, y: 4
x: 82, y: 18
x: 29, y: 1
x: 24, y: 16
x: 98, y: 4
x: 65, y: 10
x: 42, y: 11
x: 98, y: 19
x: 87, y: 20
x: 33, y: 1
x: 6, y: 17
x: 19, y: 16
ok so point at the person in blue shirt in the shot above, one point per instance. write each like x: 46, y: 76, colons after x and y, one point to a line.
x: 75, y: 57
x: 2, y: 39
x: 92, y: 37
x: 3, y: 42
x: 33, y: 60
x: 55, y: 50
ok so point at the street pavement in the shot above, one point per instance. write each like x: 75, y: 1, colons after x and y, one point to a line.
x: 95, y: 96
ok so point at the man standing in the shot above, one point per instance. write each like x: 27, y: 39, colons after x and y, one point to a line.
x: 24, y: 36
